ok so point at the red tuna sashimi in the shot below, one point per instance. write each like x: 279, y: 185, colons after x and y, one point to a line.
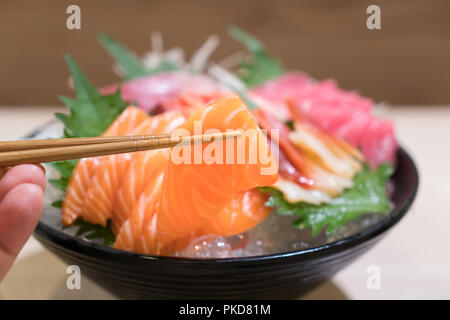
x: 342, y: 113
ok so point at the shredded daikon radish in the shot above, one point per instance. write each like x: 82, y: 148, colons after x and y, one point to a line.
x: 157, y: 55
x: 201, y: 56
x: 226, y: 77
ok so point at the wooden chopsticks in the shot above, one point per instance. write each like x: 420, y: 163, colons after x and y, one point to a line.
x: 39, y: 151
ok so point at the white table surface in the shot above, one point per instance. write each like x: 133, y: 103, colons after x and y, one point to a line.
x: 413, y: 258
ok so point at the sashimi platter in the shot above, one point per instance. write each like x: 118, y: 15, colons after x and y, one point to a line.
x: 313, y: 163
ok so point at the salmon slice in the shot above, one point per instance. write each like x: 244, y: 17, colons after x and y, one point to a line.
x: 126, y: 122
x: 144, y: 166
x: 99, y: 199
x: 85, y: 169
x: 76, y: 190
x: 195, y: 193
x: 244, y: 212
x: 163, y: 123
x: 117, y: 169
x: 138, y: 231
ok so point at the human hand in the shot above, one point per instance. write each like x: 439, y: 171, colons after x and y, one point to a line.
x: 21, y: 201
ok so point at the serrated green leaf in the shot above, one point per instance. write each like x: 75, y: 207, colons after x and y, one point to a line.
x: 65, y: 168
x: 90, y: 115
x: 83, y: 87
x: 261, y: 66
x: 60, y: 183
x: 95, y: 231
x: 129, y: 62
x: 90, y: 112
x: 57, y: 204
x: 368, y: 195
x: 259, y: 70
x: 253, y: 45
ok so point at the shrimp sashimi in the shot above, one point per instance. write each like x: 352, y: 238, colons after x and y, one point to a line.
x: 311, y: 159
x: 85, y: 169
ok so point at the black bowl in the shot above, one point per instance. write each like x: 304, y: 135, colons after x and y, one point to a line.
x: 283, y: 275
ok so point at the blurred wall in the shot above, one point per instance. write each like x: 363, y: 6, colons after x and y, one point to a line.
x: 406, y: 62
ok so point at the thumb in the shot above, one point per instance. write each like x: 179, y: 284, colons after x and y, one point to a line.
x: 21, y: 202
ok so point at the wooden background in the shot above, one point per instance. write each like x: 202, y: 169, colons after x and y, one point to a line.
x: 406, y: 62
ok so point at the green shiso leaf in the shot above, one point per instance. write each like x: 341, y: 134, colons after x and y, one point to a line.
x: 95, y: 231
x: 368, y: 195
x: 128, y: 61
x: 65, y: 169
x: 57, y: 204
x: 91, y: 113
x: 261, y: 66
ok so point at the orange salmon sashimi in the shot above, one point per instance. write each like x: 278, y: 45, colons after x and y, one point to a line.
x: 99, y: 199
x: 138, y: 231
x: 73, y: 200
x: 116, y: 170
x: 244, y: 212
x: 85, y: 169
x: 194, y: 193
x: 144, y: 167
